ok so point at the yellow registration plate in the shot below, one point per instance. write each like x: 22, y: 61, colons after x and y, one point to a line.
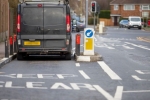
x: 32, y: 43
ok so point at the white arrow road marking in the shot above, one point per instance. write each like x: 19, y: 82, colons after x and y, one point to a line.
x: 106, y: 68
x: 84, y: 74
x: 118, y: 94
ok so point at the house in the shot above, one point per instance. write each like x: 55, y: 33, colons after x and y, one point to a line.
x: 126, y: 8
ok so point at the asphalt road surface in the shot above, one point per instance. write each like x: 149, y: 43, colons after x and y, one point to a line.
x: 124, y: 74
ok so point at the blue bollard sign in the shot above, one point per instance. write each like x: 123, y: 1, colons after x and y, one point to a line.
x: 89, y: 41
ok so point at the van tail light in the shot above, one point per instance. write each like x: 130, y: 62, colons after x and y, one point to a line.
x: 18, y: 23
x: 68, y: 23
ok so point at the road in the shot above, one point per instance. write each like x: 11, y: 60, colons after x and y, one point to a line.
x: 124, y: 74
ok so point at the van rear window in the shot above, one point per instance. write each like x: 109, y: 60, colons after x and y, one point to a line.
x: 33, y: 16
x: 54, y: 16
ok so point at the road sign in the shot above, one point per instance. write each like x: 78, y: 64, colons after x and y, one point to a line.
x: 89, y: 33
x: 88, y: 41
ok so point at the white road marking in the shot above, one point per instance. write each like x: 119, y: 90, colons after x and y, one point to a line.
x: 143, y: 47
x: 77, y: 64
x: 35, y: 85
x: 60, y: 86
x: 95, y: 38
x: 118, y: 94
x: 143, y: 71
x: 84, y: 74
x: 137, y: 91
x: 106, y: 68
x: 137, y: 78
x: 77, y: 86
x: 138, y: 71
x: 9, y: 85
x: 127, y: 47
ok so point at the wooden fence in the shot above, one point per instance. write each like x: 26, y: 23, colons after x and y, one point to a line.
x: 108, y: 22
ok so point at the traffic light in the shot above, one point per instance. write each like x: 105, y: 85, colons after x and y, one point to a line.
x: 93, y: 6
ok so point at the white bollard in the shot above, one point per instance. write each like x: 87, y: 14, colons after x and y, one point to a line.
x: 102, y: 23
x: 100, y: 28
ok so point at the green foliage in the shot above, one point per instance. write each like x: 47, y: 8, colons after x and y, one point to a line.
x: 91, y: 21
x: 104, y: 14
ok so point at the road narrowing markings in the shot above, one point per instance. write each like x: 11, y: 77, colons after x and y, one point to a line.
x: 143, y: 47
x: 84, y: 74
x: 111, y: 73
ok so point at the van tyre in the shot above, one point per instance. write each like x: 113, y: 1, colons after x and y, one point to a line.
x: 139, y: 28
x: 19, y: 56
x: 68, y: 56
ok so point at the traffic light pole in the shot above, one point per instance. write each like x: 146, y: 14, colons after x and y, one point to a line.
x: 86, y: 13
x: 94, y: 21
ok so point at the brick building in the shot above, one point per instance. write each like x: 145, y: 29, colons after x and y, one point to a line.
x: 3, y: 19
x: 126, y: 8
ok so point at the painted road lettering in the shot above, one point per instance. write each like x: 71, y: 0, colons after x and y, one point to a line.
x: 73, y: 86
x: 41, y: 85
x: 40, y: 76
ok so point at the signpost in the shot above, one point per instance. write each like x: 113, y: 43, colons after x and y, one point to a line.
x: 88, y: 41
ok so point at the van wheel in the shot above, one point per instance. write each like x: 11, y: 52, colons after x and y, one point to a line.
x: 19, y: 56
x: 77, y: 30
x: 128, y: 27
x: 139, y: 28
x: 68, y: 56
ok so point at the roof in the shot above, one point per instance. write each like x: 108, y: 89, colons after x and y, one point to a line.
x: 130, y: 2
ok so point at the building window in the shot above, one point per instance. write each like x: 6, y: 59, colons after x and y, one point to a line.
x: 129, y: 7
x: 145, y: 7
x: 115, y: 7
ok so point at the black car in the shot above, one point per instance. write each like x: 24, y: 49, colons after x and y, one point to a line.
x: 123, y: 23
x: 44, y: 28
x: 80, y: 26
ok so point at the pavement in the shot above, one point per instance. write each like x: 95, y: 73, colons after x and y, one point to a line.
x: 4, y: 60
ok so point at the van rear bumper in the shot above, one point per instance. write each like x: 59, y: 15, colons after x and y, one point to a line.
x: 44, y: 50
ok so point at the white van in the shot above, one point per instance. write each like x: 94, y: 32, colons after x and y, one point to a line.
x: 134, y: 22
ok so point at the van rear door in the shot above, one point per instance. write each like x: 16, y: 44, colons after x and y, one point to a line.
x: 31, y: 25
x: 54, y: 26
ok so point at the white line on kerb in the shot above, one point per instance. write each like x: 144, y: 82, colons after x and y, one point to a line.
x: 84, y: 74
x: 77, y: 65
x: 106, y: 68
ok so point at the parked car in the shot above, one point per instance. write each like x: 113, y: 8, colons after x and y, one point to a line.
x: 123, y: 23
x: 80, y: 26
